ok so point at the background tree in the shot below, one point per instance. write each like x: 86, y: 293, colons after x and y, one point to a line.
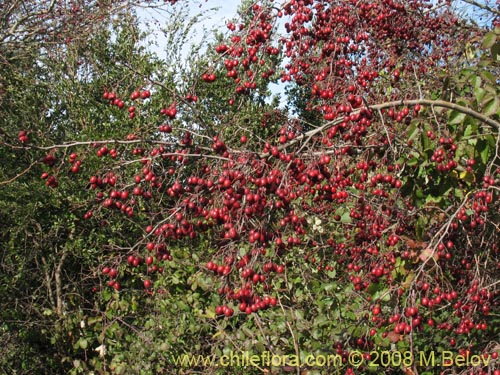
x: 365, y: 222
x: 56, y: 59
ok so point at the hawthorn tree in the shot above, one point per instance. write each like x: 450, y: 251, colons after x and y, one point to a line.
x: 364, y: 218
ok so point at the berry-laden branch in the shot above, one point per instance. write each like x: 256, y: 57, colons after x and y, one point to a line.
x: 115, y: 141
x: 443, y: 104
x: 432, y: 103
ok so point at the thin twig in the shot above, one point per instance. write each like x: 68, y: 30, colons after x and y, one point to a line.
x: 18, y: 175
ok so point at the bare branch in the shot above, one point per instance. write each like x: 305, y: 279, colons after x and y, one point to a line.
x: 57, y: 278
x: 483, y: 6
x: 18, y: 175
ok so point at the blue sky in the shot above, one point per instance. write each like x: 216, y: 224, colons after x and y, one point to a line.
x: 213, y: 14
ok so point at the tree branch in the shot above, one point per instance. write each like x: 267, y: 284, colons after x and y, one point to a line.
x: 18, y: 175
x: 57, y: 278
x: 443, y: 104
x: 483, y: 6
x: 428, y: 102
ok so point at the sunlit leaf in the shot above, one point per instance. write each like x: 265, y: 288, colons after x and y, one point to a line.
x: 491, y: 106
x: 456, y: 117
x: 489, y: 39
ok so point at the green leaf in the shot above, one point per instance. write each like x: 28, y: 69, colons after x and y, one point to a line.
x: 476, y: 81
x: 489, y: 39
x: 459, y: 193
x: 426, y: 142
x: 331, y: 274
x: 194, y: 285
x: 260, y: 347
x: 374, y: 287
x: 409, y: 280
x: 479, y: 93
x: 469, y: 130
x: 210, y: 313
x: 456, y: 117
x: 329, y: 286
x: 495, y: 51
x: 81, y: 343
x: 489, y: 77
x: 491, y: 106
x: 484, y: 150
x: 432, y: 199
x: 413, y: 130
x: 413, y: 161
x: 93, y: 320
x: 420, y: 227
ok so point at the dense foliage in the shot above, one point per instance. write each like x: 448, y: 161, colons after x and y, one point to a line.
x: 154, y: 207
